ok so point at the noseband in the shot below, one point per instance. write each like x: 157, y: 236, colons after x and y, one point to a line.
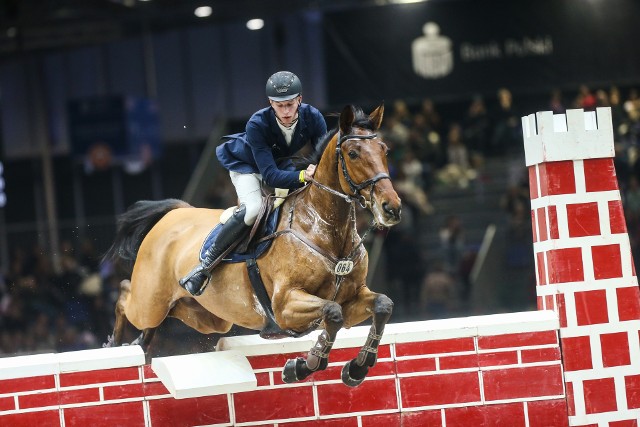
x: 355, y: 188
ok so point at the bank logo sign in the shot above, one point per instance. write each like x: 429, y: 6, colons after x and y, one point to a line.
x: 432, y: 54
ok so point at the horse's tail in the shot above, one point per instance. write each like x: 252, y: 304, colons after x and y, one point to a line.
x: 132, y: 226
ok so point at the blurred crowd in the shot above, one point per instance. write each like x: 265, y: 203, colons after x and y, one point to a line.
x: 434, y: 152
x: 433, y: 149
x: 44, y: 309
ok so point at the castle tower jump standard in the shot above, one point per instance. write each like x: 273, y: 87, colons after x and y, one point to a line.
x: 584, y: 268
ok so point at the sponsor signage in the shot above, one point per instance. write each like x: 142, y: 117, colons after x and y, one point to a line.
x: 462, y: 47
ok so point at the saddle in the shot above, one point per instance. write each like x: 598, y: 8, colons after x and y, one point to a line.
x: 248, y: 249
x: 249, y: 244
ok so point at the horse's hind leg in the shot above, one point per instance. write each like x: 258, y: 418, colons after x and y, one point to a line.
x: 144, y: 341
x: 355, y: 371
x: 121, y: 322
x: 192, y: 314
x: 318, y: 357
x: 115, y: 340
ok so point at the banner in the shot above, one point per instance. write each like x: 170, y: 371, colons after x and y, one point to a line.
x: 463, y: 47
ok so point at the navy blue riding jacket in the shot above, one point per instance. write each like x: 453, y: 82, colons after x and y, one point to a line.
x: 262, y: 147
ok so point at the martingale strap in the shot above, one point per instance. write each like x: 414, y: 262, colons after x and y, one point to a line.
x: 270, y: 330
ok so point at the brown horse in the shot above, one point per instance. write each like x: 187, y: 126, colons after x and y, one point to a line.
x: 314, y: 271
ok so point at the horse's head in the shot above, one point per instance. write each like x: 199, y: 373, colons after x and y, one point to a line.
x: 362, y: 164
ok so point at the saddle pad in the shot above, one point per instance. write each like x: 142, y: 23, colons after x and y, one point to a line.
x: 253, y: 251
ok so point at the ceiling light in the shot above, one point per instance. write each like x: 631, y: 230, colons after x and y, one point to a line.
x: 255, y: 24
x: 202, y: 11
x: 405, y: 1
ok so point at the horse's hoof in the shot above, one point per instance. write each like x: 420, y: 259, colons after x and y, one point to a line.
x: 289, y: 372
x: 346, y: 376
x: 110, y: 342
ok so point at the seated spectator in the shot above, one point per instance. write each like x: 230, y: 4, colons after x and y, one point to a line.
x: 431, y: 115
x: 458, y: 171
x: 407, y: 183
x: 438, y: 294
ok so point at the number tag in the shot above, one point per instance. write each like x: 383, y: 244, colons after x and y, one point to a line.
x: 343, y: 267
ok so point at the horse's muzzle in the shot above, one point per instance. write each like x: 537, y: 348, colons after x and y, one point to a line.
x: 392, y: 213
x: 387, y: 213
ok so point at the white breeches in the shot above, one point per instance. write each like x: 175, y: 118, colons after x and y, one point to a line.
x: 249, y: 192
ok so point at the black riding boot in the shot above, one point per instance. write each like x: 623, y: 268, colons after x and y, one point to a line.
x: 231, y: 231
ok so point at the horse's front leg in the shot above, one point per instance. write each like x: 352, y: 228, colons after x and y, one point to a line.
x: 300, y: 310
x: 366, y: 304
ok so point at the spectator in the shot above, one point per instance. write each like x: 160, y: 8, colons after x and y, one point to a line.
x: 556, y: 103
x: 585, y: 99
x: 476, y: 127
x: 438, y: 292
x: 617, y: 110
x: 407, y: 183
x: 425, y: 143
x: 431, y: 115
x: 458, y: 171
x: 452, y: 243
x: 507, y: 134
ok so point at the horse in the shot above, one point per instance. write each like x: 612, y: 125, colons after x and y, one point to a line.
x: 314, y: 271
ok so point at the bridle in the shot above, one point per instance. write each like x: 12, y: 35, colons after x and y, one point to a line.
x: 355, y: 188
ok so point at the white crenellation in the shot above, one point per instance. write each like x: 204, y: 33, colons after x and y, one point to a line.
x: 578, y: 135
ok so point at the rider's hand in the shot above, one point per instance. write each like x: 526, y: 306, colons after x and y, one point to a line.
x: 308, y: 174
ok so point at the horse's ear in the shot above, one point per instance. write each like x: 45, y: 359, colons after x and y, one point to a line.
x: 346, y: 119
x: 376, y: 116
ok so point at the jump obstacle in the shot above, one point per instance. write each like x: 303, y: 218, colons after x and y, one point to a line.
x: 575, y: 362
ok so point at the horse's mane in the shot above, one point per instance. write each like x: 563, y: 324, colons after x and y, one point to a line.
x: 361, y: 120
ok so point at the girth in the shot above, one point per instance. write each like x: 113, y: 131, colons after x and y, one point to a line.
x: 270, y: 330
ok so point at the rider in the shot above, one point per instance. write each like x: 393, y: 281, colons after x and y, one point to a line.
x: 260, y: 153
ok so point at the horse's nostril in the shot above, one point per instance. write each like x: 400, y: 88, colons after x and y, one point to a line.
x: 388, y: 209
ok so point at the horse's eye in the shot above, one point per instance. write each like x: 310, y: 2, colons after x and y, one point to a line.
x: 353, y: 155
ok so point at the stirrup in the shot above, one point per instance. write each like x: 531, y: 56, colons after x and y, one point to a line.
x: 198, y: 269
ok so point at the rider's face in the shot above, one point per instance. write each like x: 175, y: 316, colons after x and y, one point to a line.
x: 286, y: 111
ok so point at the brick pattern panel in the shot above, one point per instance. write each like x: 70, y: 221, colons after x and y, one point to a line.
x: 189, y: 412
x: 600, y: 175
x: 546, y: 413
x: 510, y: 379
x: 454, y: 388
x: 98, y: 377
x: 628, y: 302
x: 585, y: 273
x: 371, y: 395
x: 274, y: 404
x: 505, y: 415
x: 522, y: 383
x: 31, y: 419
x: 46, y: 382
x: 130, y: 414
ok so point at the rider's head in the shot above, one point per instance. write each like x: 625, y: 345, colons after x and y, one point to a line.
x: 284, y: 91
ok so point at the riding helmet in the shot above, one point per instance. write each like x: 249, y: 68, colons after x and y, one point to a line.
x: 283, y: 86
